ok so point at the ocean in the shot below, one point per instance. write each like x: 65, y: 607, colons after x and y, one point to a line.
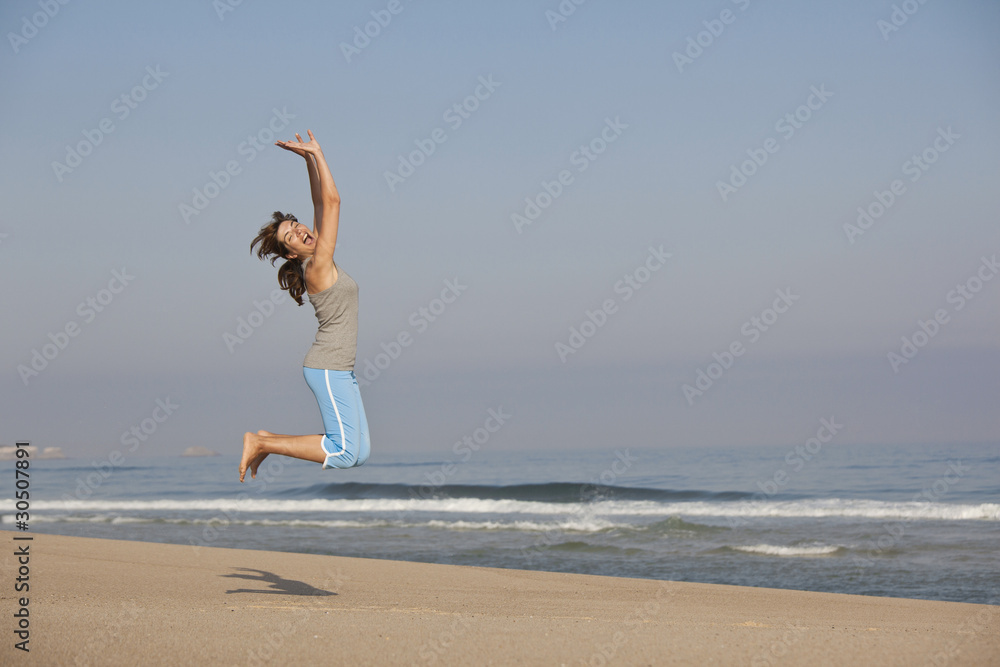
x: 899, y: 521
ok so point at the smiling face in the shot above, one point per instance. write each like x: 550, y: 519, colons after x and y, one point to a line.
x: 297, y: 238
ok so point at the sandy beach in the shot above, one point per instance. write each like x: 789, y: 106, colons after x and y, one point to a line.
x: 111, y: 602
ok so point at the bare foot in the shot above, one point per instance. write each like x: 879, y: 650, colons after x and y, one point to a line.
x: 255, y: 463
x: 251, y: 453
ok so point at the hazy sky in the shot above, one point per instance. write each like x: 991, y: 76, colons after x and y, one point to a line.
x: 674, y: 182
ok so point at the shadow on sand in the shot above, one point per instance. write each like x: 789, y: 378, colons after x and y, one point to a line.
x: 275, y: 584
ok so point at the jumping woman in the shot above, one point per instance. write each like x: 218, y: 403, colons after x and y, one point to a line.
x: 329, y: 365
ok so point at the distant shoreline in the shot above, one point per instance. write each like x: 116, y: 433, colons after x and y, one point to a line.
x: 9, y: 452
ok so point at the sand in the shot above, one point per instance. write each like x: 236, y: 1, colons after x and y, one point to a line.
x: 111, y: 602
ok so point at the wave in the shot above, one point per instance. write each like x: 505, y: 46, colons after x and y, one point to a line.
x: 586, y: 547
x: 825, y: 508
x: 552, y: 492
x: 581, y: 526
x: 801, y: 551
x: 672, y: 525
x: 92, y: 468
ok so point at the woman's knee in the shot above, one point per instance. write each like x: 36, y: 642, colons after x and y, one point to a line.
x: 346, y: 458
x: 342, y: 461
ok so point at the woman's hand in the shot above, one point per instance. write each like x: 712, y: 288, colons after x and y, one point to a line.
x: 303, y: 148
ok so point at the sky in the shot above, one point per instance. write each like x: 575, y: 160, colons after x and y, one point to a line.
x: 633, y: 224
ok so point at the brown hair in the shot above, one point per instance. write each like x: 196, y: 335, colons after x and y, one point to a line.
x: 290, y: 273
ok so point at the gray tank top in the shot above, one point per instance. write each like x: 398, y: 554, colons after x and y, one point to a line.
x: 336, y: 341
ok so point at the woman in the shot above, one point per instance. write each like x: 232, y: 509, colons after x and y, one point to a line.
x: 329, y: 364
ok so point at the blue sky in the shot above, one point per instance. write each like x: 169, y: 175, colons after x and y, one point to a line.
x: 219, y: 80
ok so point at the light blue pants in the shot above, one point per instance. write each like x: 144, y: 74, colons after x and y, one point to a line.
x: 346, y: 442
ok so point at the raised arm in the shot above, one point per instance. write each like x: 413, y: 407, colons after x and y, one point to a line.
x: 314, y: 189
x: 320, y: 272
x: 327, y: 211
x: 321, y: 185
